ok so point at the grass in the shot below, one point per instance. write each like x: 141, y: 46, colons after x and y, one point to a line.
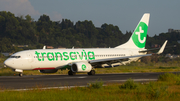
x: 96, y: 85
x: 161, y: 90
x: 129, y: 84
x: 1, y: 62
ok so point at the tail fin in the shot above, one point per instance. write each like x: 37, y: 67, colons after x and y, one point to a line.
x: 138, y: 38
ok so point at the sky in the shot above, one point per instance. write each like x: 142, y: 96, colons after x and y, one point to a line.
x: 125, y: 14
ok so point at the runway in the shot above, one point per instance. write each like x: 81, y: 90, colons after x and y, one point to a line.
x: 25, y: 82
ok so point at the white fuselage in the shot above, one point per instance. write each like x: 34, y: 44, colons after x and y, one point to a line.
x: 58, y: 58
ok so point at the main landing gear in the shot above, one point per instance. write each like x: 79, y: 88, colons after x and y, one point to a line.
x: 92, y: 72
x: 71, y: 73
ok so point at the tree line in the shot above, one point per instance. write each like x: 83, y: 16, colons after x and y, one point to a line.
x: 20, y: 30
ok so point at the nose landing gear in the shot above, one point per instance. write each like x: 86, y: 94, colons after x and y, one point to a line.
x: 20, y: 74
x: 19, y: 71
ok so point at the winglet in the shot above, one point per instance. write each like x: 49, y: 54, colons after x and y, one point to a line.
x: 162, y: 48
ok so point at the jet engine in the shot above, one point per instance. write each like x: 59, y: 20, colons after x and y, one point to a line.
x: 48, y: 71
x: 81, y: 67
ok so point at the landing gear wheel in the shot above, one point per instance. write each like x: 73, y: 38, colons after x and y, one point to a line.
x: 71, y: 73
x: 20, y: 74
x: 92, y: 72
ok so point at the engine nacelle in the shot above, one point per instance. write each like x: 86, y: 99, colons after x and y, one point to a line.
x: 48, y: 71
x: 81, y: 67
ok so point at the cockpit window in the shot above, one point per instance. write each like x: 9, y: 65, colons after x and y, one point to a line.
x: 15, y: 56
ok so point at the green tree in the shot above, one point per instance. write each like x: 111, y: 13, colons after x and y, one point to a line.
x: 28, y: 18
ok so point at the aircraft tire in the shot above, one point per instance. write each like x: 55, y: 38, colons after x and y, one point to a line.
x: 92, y: 72
x: 71, y: 73
x: 20, y: 74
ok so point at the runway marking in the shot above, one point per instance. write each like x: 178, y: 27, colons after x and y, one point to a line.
x: 33, y: 78
x: 46, y: 88
x: 137, y: 80
x: 77, y: 77
x: 81, y: 77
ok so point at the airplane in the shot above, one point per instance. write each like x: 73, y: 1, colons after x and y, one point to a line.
x: 83, y: 59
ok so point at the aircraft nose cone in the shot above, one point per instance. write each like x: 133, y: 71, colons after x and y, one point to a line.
x: 8, y: 62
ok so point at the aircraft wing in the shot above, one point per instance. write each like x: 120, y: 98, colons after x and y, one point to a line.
x: 114, y: 59
x: 125, y: 57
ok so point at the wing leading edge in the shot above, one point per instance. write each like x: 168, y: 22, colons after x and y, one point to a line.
x: 118, y: 58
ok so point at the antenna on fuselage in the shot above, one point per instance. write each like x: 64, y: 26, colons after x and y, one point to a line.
x: 44, y: 47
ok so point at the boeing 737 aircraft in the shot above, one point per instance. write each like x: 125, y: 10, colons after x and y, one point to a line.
x: 85, y: 59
